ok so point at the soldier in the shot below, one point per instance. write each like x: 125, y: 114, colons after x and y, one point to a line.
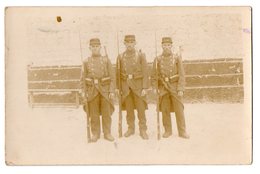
x: 171, y: 83
x: 99, y: 81
x: 134, y: 84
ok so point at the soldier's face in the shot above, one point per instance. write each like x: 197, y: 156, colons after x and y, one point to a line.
x: 95, y: 49
x: 130, y: 45
x: 167, y: 47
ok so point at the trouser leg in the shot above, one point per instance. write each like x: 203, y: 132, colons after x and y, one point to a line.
x: 94, y: 112
x: 106, y: 117
x: 179, y: 114
x: 166, y: 113
x: 130, y: 117
x: 140, y: 106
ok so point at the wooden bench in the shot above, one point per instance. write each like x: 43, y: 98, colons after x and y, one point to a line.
x: 54, y: 85
x: 218, y: 80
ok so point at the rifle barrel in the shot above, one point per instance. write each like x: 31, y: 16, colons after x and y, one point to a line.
x: 157, y: 92
x: 84, y: 90
x: 120, y: 92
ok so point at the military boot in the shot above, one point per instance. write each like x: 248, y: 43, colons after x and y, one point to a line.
x: 129, y: 132
x: 144, y: 135
x: 95, y: 138
x: 109, y: 137
x: 167, y: 134
x: 184, y: 135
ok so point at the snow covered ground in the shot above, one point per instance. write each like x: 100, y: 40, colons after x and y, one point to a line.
x: 220, y: 133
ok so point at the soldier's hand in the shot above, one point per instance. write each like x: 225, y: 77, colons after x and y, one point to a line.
x: 144, y: 92
x: 180, y: 93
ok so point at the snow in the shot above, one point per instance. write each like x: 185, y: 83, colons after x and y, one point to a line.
x: 220, y: 133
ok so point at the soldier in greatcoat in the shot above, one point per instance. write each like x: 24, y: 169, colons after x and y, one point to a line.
x: 134, y: 83
x: 99, y: 80
x: 168, y: 70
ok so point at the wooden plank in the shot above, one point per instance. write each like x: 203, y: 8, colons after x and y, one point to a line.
x: 231, y: 94
x: 214, y: 80
x: 54, y: 74
x: 213, y: 68
x: 52, y: 90
x: 54, y: 85
x: 55, y: 98
x: 54, y: 105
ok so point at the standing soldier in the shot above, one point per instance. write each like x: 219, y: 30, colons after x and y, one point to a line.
x: 134, y: 83
x: 168, y: 70
x: 99, y: 85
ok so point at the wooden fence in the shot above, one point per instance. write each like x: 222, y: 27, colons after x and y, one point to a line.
x: 218, y: 80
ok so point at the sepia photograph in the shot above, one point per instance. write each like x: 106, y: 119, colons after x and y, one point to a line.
x: 128, y: 85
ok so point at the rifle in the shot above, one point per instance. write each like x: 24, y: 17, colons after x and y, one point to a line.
x: 105, y: 49
x: 85, y: 96
x: 180, y: 51
x: 120, y: 93
x: 157, y: 93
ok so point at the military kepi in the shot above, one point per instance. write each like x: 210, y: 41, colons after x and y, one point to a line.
x: 94, y: 41
x: 129, y: 38
x: 166, y: 40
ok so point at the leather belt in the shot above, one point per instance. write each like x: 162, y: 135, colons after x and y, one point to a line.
x: 131, y: 76
x: 173, y: 78
x: 95, y: 81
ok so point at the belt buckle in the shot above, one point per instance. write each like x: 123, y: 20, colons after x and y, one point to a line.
x: 166, y: 79
x: 130, y: 76
x: 95, y: 81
